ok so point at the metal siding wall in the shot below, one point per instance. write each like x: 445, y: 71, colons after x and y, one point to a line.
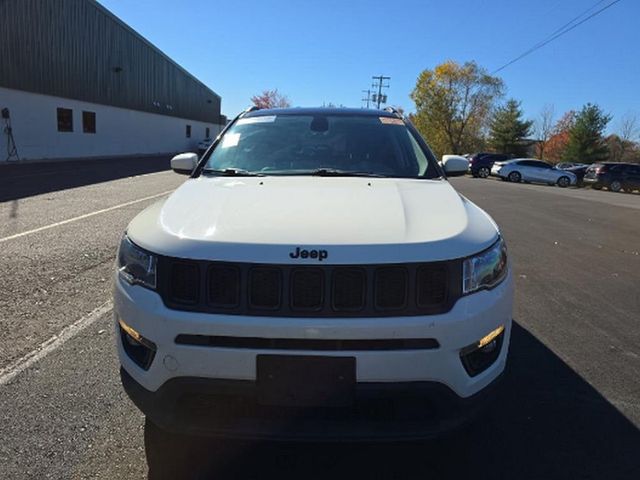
x: 69, y: 48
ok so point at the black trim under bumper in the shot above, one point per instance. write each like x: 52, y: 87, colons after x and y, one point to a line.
x: 382, y: 411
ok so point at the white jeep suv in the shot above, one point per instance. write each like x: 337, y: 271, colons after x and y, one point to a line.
x: 316, y: 277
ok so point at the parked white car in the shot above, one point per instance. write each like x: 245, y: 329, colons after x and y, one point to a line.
x: 315, y: 265
x: 533, y: 170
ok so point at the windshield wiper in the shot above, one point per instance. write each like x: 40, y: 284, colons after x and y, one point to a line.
x: 334, y: 172
x: 232, y: 172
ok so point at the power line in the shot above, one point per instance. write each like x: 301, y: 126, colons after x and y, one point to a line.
x: 575, y: 19
x: 557, y: 35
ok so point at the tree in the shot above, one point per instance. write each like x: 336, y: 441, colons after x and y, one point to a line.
x: 621, y: 146
x: 629, y: 127
x: 544, y: 129
x: 453, y: 103
x: 508, y: 131
x: 586, y: 140
x: 270, y: 99
x: 557, y: 143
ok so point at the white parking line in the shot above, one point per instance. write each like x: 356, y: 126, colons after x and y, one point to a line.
x: 81, y: 217
x: 48, y: 174
x: 9, y: 373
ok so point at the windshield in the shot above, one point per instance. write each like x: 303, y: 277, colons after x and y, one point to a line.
x: 320, y: 144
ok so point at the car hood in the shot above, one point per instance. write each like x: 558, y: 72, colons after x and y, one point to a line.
x: 355, y: 219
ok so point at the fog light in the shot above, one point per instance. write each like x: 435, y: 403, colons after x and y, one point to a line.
x: 479, y: 356
x: 490, y: 347
x: 139, y: 349
x: 490, y: 337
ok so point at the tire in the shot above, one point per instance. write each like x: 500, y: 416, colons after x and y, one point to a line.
x: 564, y: 181
x: 596, y: 186
x: 615, y: 186
x: 515, y: 177
x: 484, y: 172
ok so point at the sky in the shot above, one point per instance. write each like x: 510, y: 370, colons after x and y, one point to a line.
x: 319, y: 52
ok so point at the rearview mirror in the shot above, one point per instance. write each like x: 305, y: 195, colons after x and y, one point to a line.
x: 184, y: 163
x: 454, y: 165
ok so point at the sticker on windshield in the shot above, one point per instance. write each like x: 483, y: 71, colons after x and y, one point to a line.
x: 262, y: 119
x: 391, y: 121
x: 230, y: 140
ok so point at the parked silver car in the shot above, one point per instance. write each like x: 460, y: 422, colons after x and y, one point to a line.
x: 533, y: 170
x: 568, y: 165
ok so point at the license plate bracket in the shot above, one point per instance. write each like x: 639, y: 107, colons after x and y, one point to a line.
x: 305, y: 380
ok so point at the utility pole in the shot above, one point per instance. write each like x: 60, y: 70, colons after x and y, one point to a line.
x: 368, y: 97
x: 379, y: 84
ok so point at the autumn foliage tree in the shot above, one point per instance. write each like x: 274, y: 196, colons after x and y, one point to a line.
x: 270, y: 99
x: 557, y: 142
x: 453, y: 104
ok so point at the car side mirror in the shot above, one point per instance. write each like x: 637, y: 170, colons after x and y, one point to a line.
x: 454, y: 165
x: 184, y: 163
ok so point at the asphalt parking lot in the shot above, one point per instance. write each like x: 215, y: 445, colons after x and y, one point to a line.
x: 571, y: 401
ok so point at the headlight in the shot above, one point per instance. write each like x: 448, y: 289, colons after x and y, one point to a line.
x: 486, y: 269
x: 136, y: 266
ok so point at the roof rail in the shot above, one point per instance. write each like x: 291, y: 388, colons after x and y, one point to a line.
x: 394, y: 110
x: 252, y: 108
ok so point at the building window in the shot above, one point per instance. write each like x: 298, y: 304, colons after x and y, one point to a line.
x: 188, y: 131
x: 89, y: 122
x: 65, y: 120
x: 206, y: 135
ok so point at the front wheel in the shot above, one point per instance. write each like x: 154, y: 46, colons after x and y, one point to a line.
x: 564, y: 182
x: 484, y: 172
x: 615, y: 186
x: 515, y: 177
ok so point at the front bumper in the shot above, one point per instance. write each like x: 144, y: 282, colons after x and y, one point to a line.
x: 382, y: 412
x: 433, y: 382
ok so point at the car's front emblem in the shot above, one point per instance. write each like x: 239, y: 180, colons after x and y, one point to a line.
x: 320, y: 255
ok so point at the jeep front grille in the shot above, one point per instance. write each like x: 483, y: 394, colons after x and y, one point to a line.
x: 309, y: 291
x: 265, y: 288
x: 307, y: 288
x: 348, y: 289
x: 224, y: 286
x: 185, y: 284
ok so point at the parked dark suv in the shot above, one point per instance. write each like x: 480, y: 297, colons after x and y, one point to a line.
x: 614, y: 176
x: 480, y: 164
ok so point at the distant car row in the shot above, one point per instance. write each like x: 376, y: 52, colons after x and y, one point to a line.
x: 613, y: 176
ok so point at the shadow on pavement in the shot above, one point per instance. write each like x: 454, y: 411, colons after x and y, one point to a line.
x: 549, y: 424
x: 21, y: 180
